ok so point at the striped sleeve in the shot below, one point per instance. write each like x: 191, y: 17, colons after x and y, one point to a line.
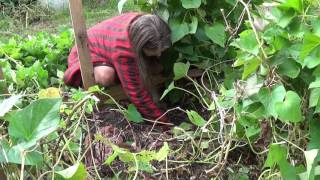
x: 127, y: 71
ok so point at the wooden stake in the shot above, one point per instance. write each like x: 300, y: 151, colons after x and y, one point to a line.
x: 80, y: 32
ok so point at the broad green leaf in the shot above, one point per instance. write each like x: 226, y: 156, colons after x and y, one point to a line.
x: 14, y: 154
x: 247, y: 42
x: 251, y: 67
x: 304, y: 176
x: 170, y: 87
x: 276, y: 154
x: 180, y: 70
x: 216, y: 33
x: 252, y: 131
x: 179, y: 30
x: 50, y: 92
x: 313, y: 59
x: 132, y: 114
x: 316, y: 26
x: 311, y: 41
x: 35, y: 121
x: 120, y: 5
x: 314, y: 97
x: 310, y: 157
x: 189, y: 4
x: 295, y: 4
x: 314, y: 130
x: 75, y: 172
x: 163, y: 152
x: 193, y: 26
x: 283, y: 16
x: 290, y: 109
x: 7, y: 104
x: 315, y: 84
x: 289, y: 68
x: 195, y: 118
x: 288, y: 172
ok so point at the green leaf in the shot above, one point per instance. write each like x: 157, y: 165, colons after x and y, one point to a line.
x: 290, y: 109
x: 283, y: 16
x: 314, y: 97
x: 288, y: 172
x: 179, y: 30
x: 189, y: 4
x: 163, y: 152
x: 14, y: 154
x: 180, y: 70
x: 251, y: 67
x: 304, y: 176
x: 314, y: 130
x: 8, y: 103
x: 35, y: 121
x: 276, y: 154
x: 120, y: 5
x: 132, y: 114
x: 289, y: 68
x: 252, y: 131
x: 193, y: 26
x: 311, y: 41
x: 170, y: 87
x: 295, y: 4
x: 311, y: 162
x: 216, y: 33
x: 315, y: 84
x: 75, y: 172
x: 195, y: 118
x: 313, y: 59
x: 247, y: 42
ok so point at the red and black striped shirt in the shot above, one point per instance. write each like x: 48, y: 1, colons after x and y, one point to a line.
x: 109, y: 44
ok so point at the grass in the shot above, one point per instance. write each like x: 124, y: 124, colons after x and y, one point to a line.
x: 49, y: 21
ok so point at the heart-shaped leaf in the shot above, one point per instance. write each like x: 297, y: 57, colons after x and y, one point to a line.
x: 75, y: 172
x: 7, y: 104
x: 195, y: 118
x: 247, y: 42
x: 179, y: 30
x: 132, y: 114
x: 269, y: 98
x: 13, y: 154
x: 276, y: 154
x: 314, y: 130
x: 310, y: 42
x: 295, y: 4
x: 216, y: 33
x: 35, y: 121
x: 289, y: 68
x: 180, y: 70
x: 189, y: 4
x: 170, y: 87
x: 290, y: 109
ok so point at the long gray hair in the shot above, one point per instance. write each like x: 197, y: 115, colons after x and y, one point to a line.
x: 148, y: 31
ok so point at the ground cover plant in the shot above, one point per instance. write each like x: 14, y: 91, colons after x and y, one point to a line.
x: 250, y: 112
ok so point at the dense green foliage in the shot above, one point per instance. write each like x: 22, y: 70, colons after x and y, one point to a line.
x: 260, y: 91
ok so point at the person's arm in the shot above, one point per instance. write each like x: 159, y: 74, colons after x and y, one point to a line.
x: 128, y: 73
